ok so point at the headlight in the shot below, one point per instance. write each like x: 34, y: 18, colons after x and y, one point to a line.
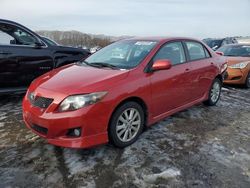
x: 76, y: 102
x: 224, y: 68
x: 241, y: 65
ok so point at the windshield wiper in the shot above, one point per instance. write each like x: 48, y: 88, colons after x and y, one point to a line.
x: 85, y: 62
x: 101, y: 64
x: 81, y: 62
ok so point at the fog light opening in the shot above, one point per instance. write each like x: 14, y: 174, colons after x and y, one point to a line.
x: 75, y: 132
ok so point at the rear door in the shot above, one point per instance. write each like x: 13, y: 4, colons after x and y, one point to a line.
x: 21, y: 60
x: 170, y: 88
x: 203, y: 68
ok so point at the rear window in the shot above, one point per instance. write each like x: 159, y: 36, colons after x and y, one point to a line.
x: 196, y: 50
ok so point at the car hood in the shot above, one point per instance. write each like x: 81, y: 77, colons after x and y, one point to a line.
x: 69, y: 49
x: 235, y: 60
x: 79, y: 79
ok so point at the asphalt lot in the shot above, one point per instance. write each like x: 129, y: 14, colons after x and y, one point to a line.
x: 199, y: 147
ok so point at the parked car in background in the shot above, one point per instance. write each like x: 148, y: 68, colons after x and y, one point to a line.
x: 238, y: 58
x: 24, y: 55
x: 243, y: 40
x: 217, y: 43
x: 95, y: 49
x: 112, y: 98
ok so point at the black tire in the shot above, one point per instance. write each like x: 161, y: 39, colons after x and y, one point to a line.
x: 113, y: 135
x: 247, y: 83
x: 210, y: 101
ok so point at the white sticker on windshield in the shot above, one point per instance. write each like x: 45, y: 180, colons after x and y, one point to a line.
x: 146, y: 43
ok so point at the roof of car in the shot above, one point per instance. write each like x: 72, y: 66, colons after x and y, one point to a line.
x: 160, y: 38
x: 9, y: 21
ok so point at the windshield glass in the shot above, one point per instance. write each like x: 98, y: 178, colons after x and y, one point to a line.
x: 122, y: 54
x: 243, y: 50
x: 52, y: 43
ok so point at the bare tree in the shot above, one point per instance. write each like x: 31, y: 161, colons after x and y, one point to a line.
x: 76, y: 38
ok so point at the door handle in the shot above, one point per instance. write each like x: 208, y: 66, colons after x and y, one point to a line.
x: 187, y: 69
x: 211, y: 63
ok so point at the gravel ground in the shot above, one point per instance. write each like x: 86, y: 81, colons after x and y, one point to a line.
x: 199, y: 147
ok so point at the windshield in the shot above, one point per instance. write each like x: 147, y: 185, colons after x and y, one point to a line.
x: 123, y: 54
x: 243, y: 50
x: 52, y: 43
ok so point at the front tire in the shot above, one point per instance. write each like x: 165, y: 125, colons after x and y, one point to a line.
x: 214, y: 93
x: 247, y: 84
x: 126, y: 124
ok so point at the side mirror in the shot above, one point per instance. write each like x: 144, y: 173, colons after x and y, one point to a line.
x: 38, y: 44
x: 161, y: 64
x: 219, y: 53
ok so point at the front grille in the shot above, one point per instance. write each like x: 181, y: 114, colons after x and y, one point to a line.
x: 41, y: 102
x: 39, y: 129
x: 236, y: 78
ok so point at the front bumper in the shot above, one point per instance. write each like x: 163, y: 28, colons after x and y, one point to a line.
x: 236, y: 76
x: 54, y: 126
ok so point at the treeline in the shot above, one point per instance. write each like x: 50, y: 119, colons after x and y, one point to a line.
x: 76, y: 38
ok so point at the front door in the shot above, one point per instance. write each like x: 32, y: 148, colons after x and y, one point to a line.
x: 170, y: 88
x: 21, y: 60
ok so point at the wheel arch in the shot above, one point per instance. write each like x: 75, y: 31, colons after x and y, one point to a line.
x: 136, y: 99
x: 219, y: 76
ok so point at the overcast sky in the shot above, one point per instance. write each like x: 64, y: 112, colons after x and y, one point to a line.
x: 195, y: 18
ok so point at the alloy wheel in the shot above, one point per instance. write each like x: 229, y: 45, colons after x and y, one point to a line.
x: 215, y: 92
x: 128, y: 124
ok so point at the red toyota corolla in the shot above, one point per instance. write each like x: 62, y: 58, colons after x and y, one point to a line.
x: 116, y: 92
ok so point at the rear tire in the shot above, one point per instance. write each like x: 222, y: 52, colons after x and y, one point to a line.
x: 126, y: 124
x: 214, y: 93
x: 247, y: 84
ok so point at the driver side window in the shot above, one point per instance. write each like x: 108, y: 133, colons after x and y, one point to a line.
x: 12, y: 35
x: 24, y: 38
x: 173, y: 51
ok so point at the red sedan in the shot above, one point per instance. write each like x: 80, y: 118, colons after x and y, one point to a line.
x: 116, y: 92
